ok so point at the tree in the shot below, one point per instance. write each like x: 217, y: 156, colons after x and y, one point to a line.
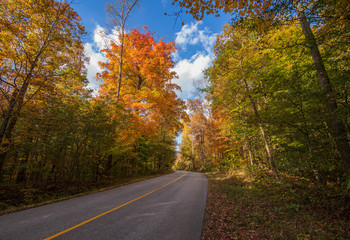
x: 202, y: 142
x: 147, y: 81
x: 147, y: 96
x: 199, y: 130
x: 37, y: 40
x: 118, y: 13
x: 186, y: 158
x: 267, y: 11
x: 236, y: 70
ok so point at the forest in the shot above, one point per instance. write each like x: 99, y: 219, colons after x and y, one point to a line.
x: 275, y: 118
x: 275, y: 102
x: 277, y: 93
x: 56, y: 136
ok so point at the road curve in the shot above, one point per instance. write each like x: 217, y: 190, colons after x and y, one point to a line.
x: 166, y: 207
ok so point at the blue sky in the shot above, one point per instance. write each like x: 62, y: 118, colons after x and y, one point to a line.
x: 194, y: 40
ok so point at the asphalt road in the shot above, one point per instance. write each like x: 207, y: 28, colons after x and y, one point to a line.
x: 151, y: 209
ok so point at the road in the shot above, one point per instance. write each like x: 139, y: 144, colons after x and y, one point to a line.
x: 166, y: 207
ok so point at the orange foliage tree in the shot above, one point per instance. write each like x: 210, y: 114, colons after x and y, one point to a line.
x: 147, y: 90
x: 147, y: 93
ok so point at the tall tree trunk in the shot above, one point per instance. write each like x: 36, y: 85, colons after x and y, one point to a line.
x: 249, y: 158
x: 120, y: 62
x: 338, y: 126
x: 10, y: 120
x: 202, y: 148
x: 263, y: 135
x: 109, y: 165
x: 192, y: 153
x: 4, y: 129
x: 8, y: 114
x: 250, y: 154
x: 262, y: 131
x: 118, y: 13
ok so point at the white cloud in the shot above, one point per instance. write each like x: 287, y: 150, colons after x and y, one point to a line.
x: 175, y: 56
x: 92, y: 66
x: 190, y: 70
x: 93, y: 51
x: 102, y: 39
x: 191, y: 34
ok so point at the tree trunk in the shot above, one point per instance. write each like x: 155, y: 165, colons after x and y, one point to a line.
x: 192, y: 153
x: 250, y: 154
x: 263, y: 135
x: 8, y: 114
x: 109, y: 165
x: 4, y: 129
x: 262, y: 131
x: 119, y: 17
x: 338, y: 126
x: 10, y: 120
x: 120, y: 62
x: 202, y: 148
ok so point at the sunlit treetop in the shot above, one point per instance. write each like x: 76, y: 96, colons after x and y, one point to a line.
x: 146, y: 89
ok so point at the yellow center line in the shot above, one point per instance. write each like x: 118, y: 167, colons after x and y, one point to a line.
x: 109, y: 211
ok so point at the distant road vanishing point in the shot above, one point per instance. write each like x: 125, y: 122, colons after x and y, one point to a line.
x: 166, y: 207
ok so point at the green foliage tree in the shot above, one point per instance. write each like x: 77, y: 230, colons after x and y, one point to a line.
x: 31, y: 34
x: 308, y: 13
x: 267, y: 81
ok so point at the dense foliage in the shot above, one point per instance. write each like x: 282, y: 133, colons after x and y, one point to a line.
x: 277, y: 99
x: 55, y: 135
x: 279, y: 93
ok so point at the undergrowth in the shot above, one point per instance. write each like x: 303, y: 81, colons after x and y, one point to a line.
x: 242, y: 208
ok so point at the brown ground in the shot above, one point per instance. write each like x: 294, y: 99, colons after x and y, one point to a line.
x: 243, y: 208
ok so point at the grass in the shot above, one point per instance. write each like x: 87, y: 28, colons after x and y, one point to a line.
x: 239, y: 207
x: 15, y: 198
